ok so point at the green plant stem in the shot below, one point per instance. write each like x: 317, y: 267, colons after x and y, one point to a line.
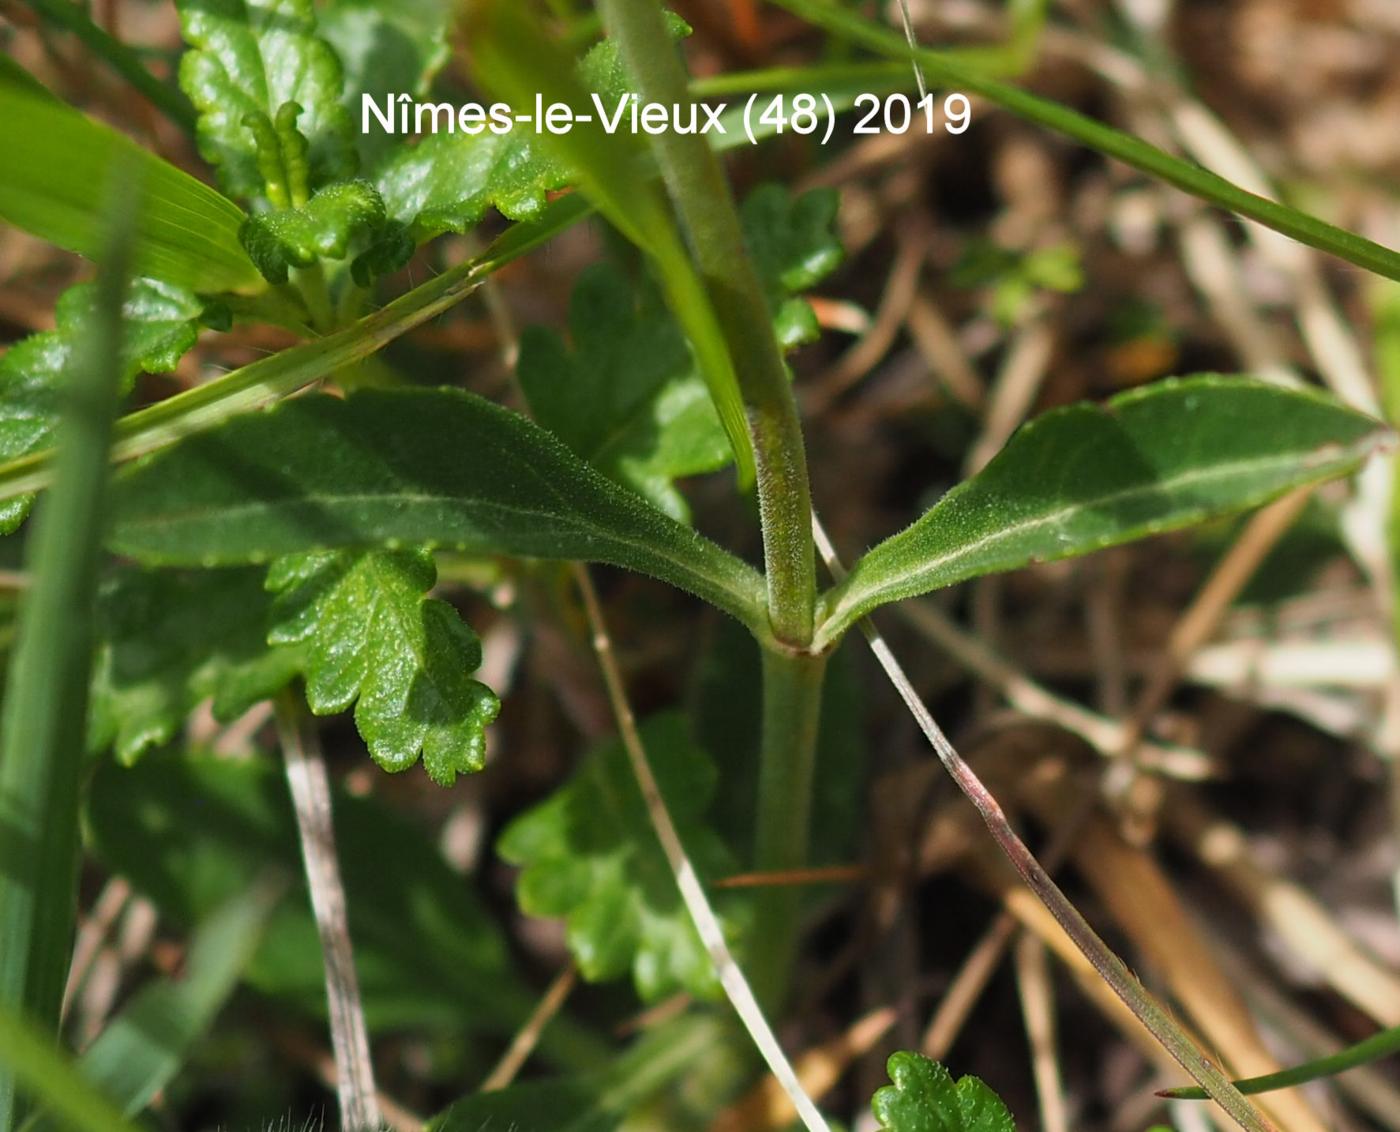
x: 705, y: 205
x: 943, y: 71
x: 270, y: 379
x: 45, y: 1072
x: 792, y: 696
x: 45, y: 710
x: 1371, y: 1049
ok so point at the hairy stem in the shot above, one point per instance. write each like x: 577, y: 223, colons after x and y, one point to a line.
x: 700, y: 192
x: 792, y: 693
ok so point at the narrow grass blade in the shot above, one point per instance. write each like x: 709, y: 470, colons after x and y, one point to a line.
x: 142, y: 1049
x: 28, y: 1058
x: 943, y: 70
x: 57, y: 162
x: 1364, y: 1052
x: 613, y: 171
x: 270, y: 379
x: 122, y: 59
x: 41, y: 733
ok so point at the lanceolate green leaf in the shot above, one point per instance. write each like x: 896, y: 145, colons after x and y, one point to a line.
x: 56, y: 161
x: 437, y: 467
x: 373, y: 639
x: 1086, y: 477
x: 161, y: 324
x: 592, y: 1102
x: 53, y: 1079
x: 249, y: 60
x: 924, y: 1098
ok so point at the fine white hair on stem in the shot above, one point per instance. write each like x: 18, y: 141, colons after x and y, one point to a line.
x: 697, y: 904
x: 311, y: 800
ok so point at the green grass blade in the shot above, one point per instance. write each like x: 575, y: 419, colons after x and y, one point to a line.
x: 31, y: 1060
x: 1364, y: 1052
x: 122, y: 59
x: 270, y: 379
x: 615, y: 173
x: 42, y: 731
x: 1085, y: 477
x: 143, y: 1048
x: 51, y: 180
x: 942, y: 70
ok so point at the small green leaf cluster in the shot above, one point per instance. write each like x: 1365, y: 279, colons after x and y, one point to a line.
x: 924, y: 1098
x: 589, y: 857
x: 161, y: 323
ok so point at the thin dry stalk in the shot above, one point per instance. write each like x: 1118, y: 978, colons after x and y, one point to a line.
x: 524, y: 1042
x: 731, y: 978
x: 1110, y: 968
x: 1038, y: 1009
x: 311, y: 801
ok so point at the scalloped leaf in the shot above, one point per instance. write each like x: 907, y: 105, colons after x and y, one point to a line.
x: 628, y: 396
x: 248, y: 60
x: 160, y: 324
x: 337, y: 216
x: 372, y: 638
x: 385, y: 49
x: 1090, y: 476
x: 794, y: 246
x: 448, y: 181
x: 590, y: 857
x: 171, y: 639
x: 924, y: 1098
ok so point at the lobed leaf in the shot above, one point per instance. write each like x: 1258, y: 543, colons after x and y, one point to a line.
x: 250, y: 59
x: 385, y: 49
x: 417, y: 467
x: 1085, y: 477
x: 324, y: 227
x: 590, y: 857
x: 448, y: 181
x: 924, y: 1098
x: 629, y: 397
x: 794, y: 246
x: 169, y: 640
x: 57, y: 162
x: 373, y: 639
x: 161, y: 324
